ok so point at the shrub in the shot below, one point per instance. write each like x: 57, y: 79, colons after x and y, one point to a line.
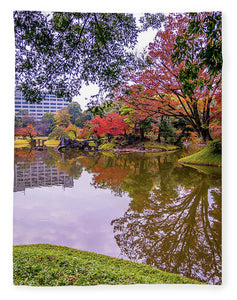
x: 215, y: 146
x: 124, y: 143
x: 107, y: 146
x: 57, y: 133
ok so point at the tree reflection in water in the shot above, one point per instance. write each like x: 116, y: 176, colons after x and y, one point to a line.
x: 176, y: 234
x: 174, y: 219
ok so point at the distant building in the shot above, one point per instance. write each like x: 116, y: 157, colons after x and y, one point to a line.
x: 50, y: 104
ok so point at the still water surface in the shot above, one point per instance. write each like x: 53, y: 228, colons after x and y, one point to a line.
x: 144, y: 207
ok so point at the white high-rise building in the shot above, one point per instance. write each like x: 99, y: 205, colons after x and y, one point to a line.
x: 50, y: 104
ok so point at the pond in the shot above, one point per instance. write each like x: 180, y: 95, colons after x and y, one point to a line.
x: 145, y: 207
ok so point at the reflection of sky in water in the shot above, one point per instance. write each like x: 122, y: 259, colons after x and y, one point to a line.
x: 78, y: 217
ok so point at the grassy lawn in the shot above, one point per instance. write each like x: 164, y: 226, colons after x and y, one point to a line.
x: 49, y: 265
x: 41, y: 138
x: 20, y: 143
x: 52, y: 143
x: 203, y: 157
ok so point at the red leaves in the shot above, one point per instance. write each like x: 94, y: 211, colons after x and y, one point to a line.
x: 112, y: 124
x: 28, y: 131
x: 165, y: 88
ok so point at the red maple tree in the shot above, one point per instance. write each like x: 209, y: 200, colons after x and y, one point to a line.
x: 185, y: 90
x: 112, y: 124
x: 27, y: 131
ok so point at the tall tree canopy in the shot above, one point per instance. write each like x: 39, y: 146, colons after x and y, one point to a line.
x: 175, y: 82
x: 74, y: 109
x: 58, y: 52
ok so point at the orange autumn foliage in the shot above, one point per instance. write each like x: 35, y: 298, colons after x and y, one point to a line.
x: 112, y: 124
x: 28, y: 131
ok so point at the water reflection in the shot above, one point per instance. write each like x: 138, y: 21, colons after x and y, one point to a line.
x: 31, y: 170
x: 177, y: 234
x: 173, y: 221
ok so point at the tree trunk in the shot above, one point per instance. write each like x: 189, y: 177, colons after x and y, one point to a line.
x: 158, y: 138
x: 142, y: 136
x: 205, y: 135
x: 159, y: 131
x: 202, y: 126
x: 109, y: 137
x: 159, y: 134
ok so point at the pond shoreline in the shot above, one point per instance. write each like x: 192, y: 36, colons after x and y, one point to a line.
x: 198, y: 164
x: 131, y: 150
x: 205, y: 157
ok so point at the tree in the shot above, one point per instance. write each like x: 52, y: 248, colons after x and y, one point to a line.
x: 74, y: 110
x: 42, y: 129
x: 182, y: 131
x: 165, y: 129
x: 18, y: 117
x: 23, y: 118
x: 49, y: 122
x: 134, y: 119
x: 62, y: 117
x: 208, y: 25
x: 73, y: 129
x: 112, y: 125
x: 28, y: 131
x: 169, y: 89
x: 209, y: 53
x: 58, y: 132
x: 58, y: 52
x: 85, y: 116
x: 48, y: 117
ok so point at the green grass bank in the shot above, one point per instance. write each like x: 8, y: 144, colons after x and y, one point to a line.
x: 204, y: 157
x: 50, y: 265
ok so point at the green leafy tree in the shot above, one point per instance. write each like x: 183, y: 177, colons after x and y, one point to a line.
x: 48, y: 119
x: 208, y: 50
x: 85, y: 116
x: 135, y: 120
x: 58, y: 52
x: 58, y: 132
x: 165, y: 130
x: 74, y: 110
x: 183, y: 131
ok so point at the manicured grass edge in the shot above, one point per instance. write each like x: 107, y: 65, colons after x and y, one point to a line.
x: 51, y: 265
x: 205, y: 157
